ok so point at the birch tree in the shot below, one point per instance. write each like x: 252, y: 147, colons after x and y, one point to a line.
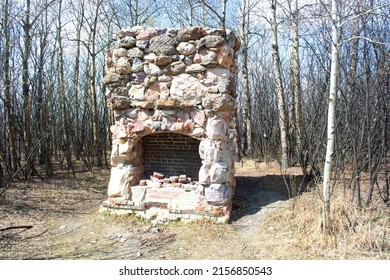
x: 279, y: 87
x: 326, y: 188
x: 295, y: 81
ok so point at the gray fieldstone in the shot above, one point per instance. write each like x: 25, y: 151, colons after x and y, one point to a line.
x: 192, y: 33
x: 162, y: 45
x: 127, y: 42
x: 142, y: 44
x: 135, y: 53
x: 217, y: 194
x: 137, y: 65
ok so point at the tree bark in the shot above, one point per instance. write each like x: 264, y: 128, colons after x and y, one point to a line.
x: 64, y: 113
x: 295, y: 81
x: 247, y: 101
x: 30, y: 169
x: 326, y: 189
x: 11, y: 158
x: 279, y: 88
x: 93, y: 92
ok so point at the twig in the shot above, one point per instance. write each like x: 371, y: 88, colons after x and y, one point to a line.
x: 39, y: 234
x: 15, y: 227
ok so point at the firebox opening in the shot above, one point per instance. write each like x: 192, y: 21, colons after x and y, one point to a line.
x: 171, y: 154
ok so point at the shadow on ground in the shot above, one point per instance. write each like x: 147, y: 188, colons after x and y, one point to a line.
x: 255, y: 192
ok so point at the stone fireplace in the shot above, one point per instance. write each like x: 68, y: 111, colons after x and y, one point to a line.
x: 172, y: 92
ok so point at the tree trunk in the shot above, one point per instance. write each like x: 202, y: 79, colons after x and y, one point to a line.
x: 29, y: 169
x: 295, y: 83
x: 64, y: 114
x: 247, y: 101
x: 95, y: 112
x: 223, y: 17
x: 76, y: 77
x: 326, y: 189
x: 279, y: 89
x: 11, y: 158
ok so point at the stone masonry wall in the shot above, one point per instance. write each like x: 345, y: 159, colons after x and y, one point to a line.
x: 182, y: 82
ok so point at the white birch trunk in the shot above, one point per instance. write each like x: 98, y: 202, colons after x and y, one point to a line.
x: 326, y: 189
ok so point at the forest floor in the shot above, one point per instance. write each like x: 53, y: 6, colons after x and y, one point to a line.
x: 265, y: 223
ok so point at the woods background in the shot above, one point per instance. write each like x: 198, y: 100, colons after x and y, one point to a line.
x: 53, y: 112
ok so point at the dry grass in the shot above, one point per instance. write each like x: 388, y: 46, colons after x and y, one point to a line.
x: 296, y: 232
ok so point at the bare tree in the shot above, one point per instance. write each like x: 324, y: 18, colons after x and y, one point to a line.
x: 11, y: 158
x: 61, y: 81
x: 279, y: 87
x: 220, y: 14
x: 295, y: 82
x: 326, y: 188
x: 244, y: 65
x: 26, y: 24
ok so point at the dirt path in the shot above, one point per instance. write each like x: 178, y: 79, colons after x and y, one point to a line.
x: 67, y: 225
x: 255, y: 198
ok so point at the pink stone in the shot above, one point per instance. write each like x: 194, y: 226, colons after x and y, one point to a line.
x: 142, y: 115
x: 198, y: 131
x: 157, y: 91
x: 199, y: 117
x: 149, y: 125
x: 188, y: 126
x: 197, y: 58
x: 153, y: 92
x: 225, y: 57
x: 138, y: 127
x: 146, y: 35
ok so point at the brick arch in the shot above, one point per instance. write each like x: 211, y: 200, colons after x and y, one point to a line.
x: 172, y: 154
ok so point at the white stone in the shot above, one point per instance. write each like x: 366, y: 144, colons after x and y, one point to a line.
x: 213, y: 75
x: 150, y: 57
x: 152, y: 69
x: 119, y: 181
x: 216, y: 128
x: 186, y: 48
x: 186, y: 87
x: 219, y: 172
x: 137, y: 92
x: 204, y: 177
x: 121, y: 52
x: 123, y: 66
x: 209, y: 152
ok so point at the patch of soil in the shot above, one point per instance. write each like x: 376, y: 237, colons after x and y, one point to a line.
x: 66, y: 224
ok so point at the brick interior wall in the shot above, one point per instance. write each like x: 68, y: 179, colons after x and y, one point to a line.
x: 172, y: 154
